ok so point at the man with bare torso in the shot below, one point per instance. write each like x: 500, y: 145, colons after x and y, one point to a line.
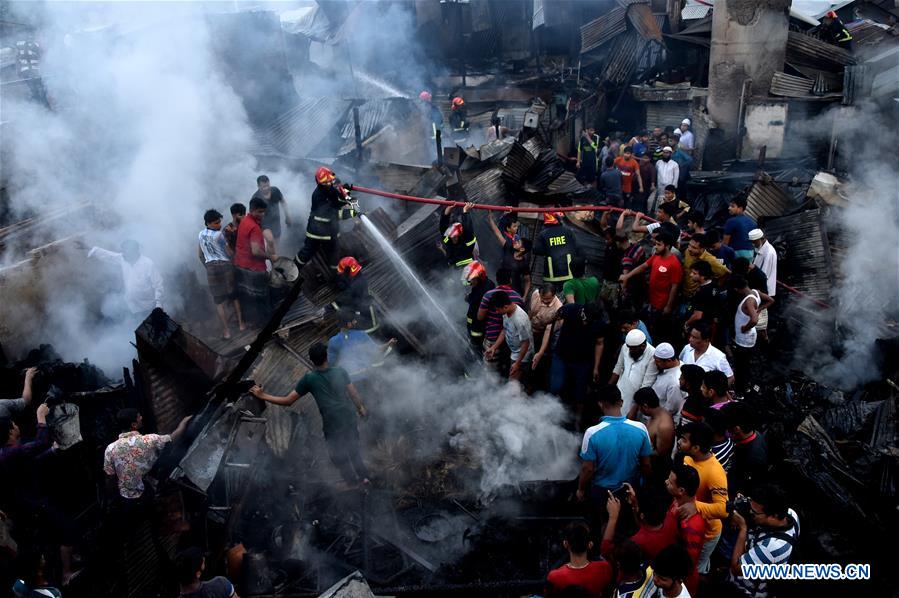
x: 660, y: 427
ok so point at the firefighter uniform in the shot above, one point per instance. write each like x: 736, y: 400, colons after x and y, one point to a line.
x: 557, y: 243
x: 477, y: 327
x: 353, y: 294
x: 835, y: 33
x: 323, y: 228
x: 459, y: 254
x: 588, y: 156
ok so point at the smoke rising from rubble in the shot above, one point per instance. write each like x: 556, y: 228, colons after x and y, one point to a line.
x: 864, y: 297
x: 146, y: 126
x: 513, y: 437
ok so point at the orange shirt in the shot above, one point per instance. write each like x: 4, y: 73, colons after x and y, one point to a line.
x: 629, y: 170
x: 711, y: 498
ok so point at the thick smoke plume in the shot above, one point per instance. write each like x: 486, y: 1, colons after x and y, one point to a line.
x: 864, y: 296
x: 512, y: 437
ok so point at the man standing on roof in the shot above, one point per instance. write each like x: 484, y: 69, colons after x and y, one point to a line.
x: 353, y: 294
x: 587, y: 156
x: 275, y: 202
x: 556, y: 241
x: 458, y: 119
x: 331, y: 203
x: 144, y: 289
x: 459, y: 241
x: 834, y: 32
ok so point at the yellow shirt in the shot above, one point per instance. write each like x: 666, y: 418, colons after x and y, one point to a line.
x: 718, y: 270
x: 711, y: 497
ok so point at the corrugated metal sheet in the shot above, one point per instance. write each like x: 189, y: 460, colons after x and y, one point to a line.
x: 869, y: 33
x: 298, y: 131
x: 599, y: 31
x: 517, y: 164
x: 487, y: 187
x: 693, y: 12
x: 806, y: 264
x: 666, y: 114
x: 623, y: 57
x: 373, y: 115
x: 856, y: 83
x: 807, y: 50
x: 767, y: 198
x: 790, y: 86
x: 398, y: 178
x: 644, y: 22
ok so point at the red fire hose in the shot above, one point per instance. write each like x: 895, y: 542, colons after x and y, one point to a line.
x: 477, y: 206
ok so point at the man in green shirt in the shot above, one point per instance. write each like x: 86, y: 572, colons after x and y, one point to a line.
x: 338, y: 403
x: 580, y: 289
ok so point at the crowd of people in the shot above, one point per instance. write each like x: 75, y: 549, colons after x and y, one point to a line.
x: 663, y: 339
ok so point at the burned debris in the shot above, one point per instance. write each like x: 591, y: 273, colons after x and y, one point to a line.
x: 514, y: 159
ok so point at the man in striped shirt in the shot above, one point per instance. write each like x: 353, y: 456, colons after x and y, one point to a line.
x: 492, y: 316
x: 773, y: 534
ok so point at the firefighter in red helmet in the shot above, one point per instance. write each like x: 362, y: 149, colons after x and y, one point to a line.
x: 474, y: 276
x: 431, y: 114
x: 331, y: 202
x: 353, y: 294
x: 834, y: 32
x: 557, y: 242
x: 459, y: 241
x: 458, y: 119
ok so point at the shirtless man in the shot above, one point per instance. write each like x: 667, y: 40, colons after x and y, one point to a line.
x: 660, y: 426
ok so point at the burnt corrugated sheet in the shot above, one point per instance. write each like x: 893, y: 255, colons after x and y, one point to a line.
x: 806, y: 50
x: 694, y: 12
x: 168, y: 402
x: 516, y: 165
x: 623, y: 57
x: 806, y: 264
x: 789, y: 86
x: 767, y: 198
x: 401, y: 178
x: 144, y: 564
x: 487, y: 187
x: 373, y: 115
x: 599, y: 31
x: 644, y: 22
x: 298, y: 131
x: 565, y: 184
x: 430, y: 184
x: 856, y: 83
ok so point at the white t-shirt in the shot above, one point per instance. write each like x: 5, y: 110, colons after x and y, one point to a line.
x: 712, y: 359
x: 143, y: 283
x: 518, y: 329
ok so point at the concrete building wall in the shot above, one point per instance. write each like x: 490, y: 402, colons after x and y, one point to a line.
x: 749, y: 40
x: 766, y: 125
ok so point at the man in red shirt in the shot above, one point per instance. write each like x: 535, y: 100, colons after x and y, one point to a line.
x: 249, y: 259
x: 682, y: 484
x: 665, y: 275
x: 630, y: 171
x: 657, y: 530
x: 579, y: 571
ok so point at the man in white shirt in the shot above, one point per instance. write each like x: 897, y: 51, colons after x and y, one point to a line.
x: 667, y: 383
x: 517, y: 334
x: 144, y: 289
x: 667, y: 173
x: 765, y: 258
x: 700, y: 352
x: 634, y: 369
x: 687, y: 141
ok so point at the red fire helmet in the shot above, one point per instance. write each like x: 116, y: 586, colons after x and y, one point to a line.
x: 457, y: 101
x: 324, y: 175
x: 831, y: 14
x: 425, y: 95
x: 350, y: 265
x: 552, y: 217
x: 473, y: 271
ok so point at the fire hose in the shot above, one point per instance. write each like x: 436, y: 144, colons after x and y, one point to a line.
x: 535, y: 210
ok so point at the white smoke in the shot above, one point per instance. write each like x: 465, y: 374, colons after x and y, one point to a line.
x: 864, y: 296
x: 511, y: 436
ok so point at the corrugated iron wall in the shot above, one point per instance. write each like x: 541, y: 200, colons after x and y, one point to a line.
x: 666, y: 114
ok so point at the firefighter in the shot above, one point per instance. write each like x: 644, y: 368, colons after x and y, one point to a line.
x: 353, y: 294
x: 556, y: 241
x: 432, y: 113
x: 459, y: 241
x: 459, y: 119
x: 587, y: 156
x: 834, y: 32
x: 474, y: 276
x: 331, y: 203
